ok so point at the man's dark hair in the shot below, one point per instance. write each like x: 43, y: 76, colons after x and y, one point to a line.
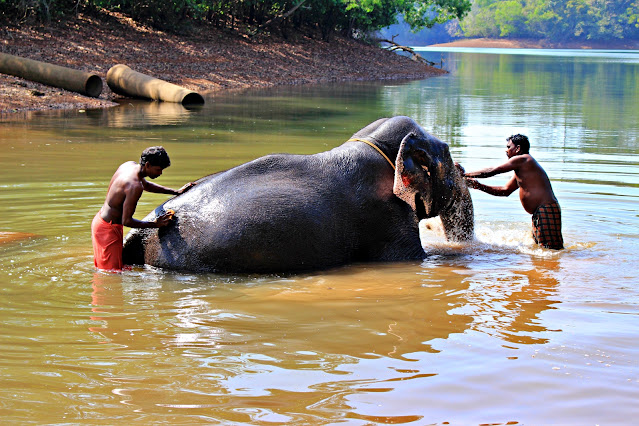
x: 521, y: 141
x: 155, y: 156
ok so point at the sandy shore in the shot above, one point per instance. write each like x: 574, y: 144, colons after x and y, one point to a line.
x: 208, y: 61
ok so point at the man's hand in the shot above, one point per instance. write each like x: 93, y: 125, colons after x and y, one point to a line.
x: 460, y: 168
x: 186, y: 188
x: 472, y: 183
x: 163, y: 220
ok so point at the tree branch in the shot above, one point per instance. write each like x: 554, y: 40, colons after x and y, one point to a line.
x: 278, y: 18
x: 413, y: 55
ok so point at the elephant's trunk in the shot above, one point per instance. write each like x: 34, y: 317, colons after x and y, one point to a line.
x: 458, y: 218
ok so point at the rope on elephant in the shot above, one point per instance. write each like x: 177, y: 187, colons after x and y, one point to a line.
x: 374, y: 146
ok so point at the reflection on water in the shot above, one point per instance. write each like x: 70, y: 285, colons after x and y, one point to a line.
x: 483, y: 332
x: 142, y: 114
x: 355, y: 331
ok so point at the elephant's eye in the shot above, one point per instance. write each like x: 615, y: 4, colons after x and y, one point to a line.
x: 425, y: 168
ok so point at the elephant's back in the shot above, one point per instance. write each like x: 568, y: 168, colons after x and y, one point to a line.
x: 280, y: 212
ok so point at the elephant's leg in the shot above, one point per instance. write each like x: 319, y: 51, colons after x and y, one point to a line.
x: 409, y: 247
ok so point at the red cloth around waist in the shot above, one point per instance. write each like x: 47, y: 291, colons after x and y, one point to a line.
x: 107, y: 244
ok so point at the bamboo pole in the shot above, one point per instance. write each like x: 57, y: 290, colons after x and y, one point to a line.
x: 124, y: 81
x: 52, y: 75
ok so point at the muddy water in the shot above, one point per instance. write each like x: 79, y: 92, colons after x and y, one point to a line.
x: 496, y: 331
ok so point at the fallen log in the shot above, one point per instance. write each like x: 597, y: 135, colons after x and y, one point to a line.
x: 413, y: 55
x: 52, y: 75
x: 124, y: 81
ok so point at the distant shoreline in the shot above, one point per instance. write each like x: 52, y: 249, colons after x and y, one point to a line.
x: 537, y: 44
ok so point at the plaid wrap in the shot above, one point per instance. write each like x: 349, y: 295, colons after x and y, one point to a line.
x: 546, y: 222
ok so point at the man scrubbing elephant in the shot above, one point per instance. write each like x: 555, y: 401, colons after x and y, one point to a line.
x: 535, y: 190
x: 123, y: 194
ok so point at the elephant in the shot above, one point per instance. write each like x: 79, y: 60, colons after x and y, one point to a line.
x: 286, y: 213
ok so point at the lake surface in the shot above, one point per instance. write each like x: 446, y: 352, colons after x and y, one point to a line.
x: 496, y: 331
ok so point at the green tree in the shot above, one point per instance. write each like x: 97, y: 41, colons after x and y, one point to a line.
x: 559, y: 20
x: 425, y: 14
x: 630, y: 15
x: 542, y: 18
x: 509, y: 17
x: 480, y: 22
x: 351, y: 17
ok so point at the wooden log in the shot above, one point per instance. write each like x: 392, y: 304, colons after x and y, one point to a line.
x: 52, y: 75
x: 124, y: 81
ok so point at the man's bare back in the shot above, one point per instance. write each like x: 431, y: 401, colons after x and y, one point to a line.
x: 531, y: 179
x: 125, y: 190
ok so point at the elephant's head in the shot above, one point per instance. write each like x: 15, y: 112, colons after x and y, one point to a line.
x: 426, y: 178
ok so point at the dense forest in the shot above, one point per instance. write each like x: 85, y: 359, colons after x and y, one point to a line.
x: 555, y: 20
x: 559, y: 20
x: 355, y: 18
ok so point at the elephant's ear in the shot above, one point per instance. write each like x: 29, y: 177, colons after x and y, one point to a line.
x: 423, y: 174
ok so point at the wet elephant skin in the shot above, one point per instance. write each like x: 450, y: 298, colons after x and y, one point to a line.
x: 287, y: 213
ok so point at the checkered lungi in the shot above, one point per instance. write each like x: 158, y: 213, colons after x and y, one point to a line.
x: 546, y: 223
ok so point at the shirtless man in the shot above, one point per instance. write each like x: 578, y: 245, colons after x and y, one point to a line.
x: 535, y: 191
x: 125, y: 189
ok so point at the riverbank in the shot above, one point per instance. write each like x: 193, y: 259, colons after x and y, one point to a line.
x: 208, y: 61
x: 538, y: 44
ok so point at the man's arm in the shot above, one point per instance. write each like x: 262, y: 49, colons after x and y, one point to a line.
x: 501, y: 191
x: 159, y: 189
x: 508, y: 166
x: 132, y: 196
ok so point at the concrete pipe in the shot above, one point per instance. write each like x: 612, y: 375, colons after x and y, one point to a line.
x: 52, y: 75
x: 124, y: 81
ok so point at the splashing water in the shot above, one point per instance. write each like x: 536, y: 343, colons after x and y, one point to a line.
x: 490, y: 237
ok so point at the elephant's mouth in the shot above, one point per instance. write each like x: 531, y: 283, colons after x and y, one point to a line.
x: 420, y: 208
x: 435, y: 196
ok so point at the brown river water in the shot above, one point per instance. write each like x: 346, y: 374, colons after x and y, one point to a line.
x: 497, y: 331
